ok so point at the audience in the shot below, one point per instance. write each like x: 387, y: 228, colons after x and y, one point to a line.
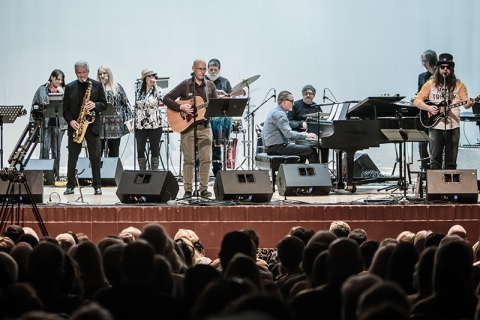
x: 335, y: 274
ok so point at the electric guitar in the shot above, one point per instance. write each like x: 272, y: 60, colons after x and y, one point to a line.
x: 180, y: 121
x: 428, y: 120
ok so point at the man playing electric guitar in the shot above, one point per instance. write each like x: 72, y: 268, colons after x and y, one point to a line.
x: 205, y: 89
x: 445, y: 134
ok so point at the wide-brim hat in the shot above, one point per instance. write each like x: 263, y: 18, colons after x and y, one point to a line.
x: 445, y: 58
x: 146, y: 72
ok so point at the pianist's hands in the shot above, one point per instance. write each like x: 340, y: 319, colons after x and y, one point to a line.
x: 311, y: 135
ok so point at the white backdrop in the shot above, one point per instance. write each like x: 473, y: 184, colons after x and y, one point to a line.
x: 354, y: 48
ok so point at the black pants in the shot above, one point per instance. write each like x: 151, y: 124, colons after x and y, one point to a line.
x: 113, y: 147
x: 94, y: 154
x: 216, y: 159
x: 154, y: 136
x: 304, y: 152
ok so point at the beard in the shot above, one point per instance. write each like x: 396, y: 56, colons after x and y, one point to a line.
x: 213, y: 77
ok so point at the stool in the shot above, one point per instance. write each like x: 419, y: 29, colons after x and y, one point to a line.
x: 273, y: 162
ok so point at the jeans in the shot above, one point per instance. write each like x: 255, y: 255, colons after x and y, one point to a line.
x: 441, y: 143
x: 50, y: 136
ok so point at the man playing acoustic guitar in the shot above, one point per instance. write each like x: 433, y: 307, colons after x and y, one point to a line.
x: 445, y: 129
x: 180, y: 115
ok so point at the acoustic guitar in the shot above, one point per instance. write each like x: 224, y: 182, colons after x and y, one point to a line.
x: 429, y: 120
x: 180, y: 121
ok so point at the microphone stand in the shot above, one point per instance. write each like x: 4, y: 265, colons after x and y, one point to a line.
x: 136, y: 90
x: 252, y: 115
x: 445, y: 104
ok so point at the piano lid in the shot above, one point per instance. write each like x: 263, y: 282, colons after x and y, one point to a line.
x: 376, y: 107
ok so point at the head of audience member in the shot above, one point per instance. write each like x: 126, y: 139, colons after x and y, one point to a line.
x: 419, y: 241
x: 45, y: 266
x: 29, y: 230
x: 340, y: 228
x: 126, y: 237
x: 319, y: 275
x: 285, y: 100
x: 406, y: 236
x: 8, y: 270
x: 107, y: 242
x: 310, y: 254
x: 244, y: 267
x: 423, y: 274
x: 20, y: 254
x: 253, y: 235
x: 352, y: 288
x: 191, y: 247
x: 433, y: 239
x: 429, y: 60
x: 343, y: 260
x: 388, y: 293
x: 235, y: 242
x: 381, y: 259
x: 457, y: 230
x: 476, y: 252
x: 188, y: 251
x: 218, y: 294
x: 290, y: 251
x: 49, y: 239
x: 28, y: 238
x: 214, y: 69
x: 20, y: 299
x: 89, y: 261
x: 303, y: 233
x: 163, y: 280
x: 13, y: 231
x: 308, y: 94
x: 367, y: 250
x: 265, y: 304
x: 137, y: 263
x: 65, y: 240
x: 387, y: 241
x: 323, y: 236
x: 402, y: 265
x: 156, y: 235
x: 359, y: 235
x: 111, y: 258
x: 196, y: 279
x: 135, y: 232
x: 92, y: 311
x: 82, y: 237
x: 6, y: 244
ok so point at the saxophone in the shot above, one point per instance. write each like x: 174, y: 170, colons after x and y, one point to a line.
x: 84, y: 118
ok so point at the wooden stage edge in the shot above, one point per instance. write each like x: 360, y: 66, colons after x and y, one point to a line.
x: 272, y: 221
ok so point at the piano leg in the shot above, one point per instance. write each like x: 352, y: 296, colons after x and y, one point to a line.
x: 339, y: 184
x: 349, y: 157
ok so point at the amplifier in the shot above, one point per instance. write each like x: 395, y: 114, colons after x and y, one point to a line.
x: 469, y: 157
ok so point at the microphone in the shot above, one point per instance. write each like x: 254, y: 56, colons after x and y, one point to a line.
x: 105, y: 81
x: 274, y: 95
x: 445, y: 74
x: 323, y: 95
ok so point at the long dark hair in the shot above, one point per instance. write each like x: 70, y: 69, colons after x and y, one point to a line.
x: 451, y: 79
x: 143, y: 89
x: 55, y: 73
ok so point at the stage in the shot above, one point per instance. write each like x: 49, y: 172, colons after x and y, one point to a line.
x: 379, y: 213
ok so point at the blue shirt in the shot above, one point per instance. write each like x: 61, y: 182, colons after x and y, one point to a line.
x: 276, y: 129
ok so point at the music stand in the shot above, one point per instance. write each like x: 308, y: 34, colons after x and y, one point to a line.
x: 54, y: 110
x: 402, y: 136
x: 8, y: 114
x: 110, y: 111
x: 223, y: 108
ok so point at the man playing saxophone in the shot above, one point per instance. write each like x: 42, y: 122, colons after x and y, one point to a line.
x: 83, y: 98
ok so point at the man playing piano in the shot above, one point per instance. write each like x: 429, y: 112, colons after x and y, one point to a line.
x: 297, y: 118
x: 445, y: 134
x: 277, y: 131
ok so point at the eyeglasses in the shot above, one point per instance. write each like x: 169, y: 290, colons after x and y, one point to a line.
x: 445, y: 66
x: 289, y: 100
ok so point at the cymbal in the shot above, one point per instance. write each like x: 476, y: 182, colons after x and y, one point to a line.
x: 246, y: 82
x: 316, y: 114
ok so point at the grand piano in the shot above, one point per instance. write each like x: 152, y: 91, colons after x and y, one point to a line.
x: 353, y: 126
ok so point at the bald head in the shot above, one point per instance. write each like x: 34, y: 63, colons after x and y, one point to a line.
x: 199, y: 69
x: 458, y: 230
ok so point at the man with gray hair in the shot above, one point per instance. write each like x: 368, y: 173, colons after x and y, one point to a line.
x: 276, y: 132
x: 73, y: 101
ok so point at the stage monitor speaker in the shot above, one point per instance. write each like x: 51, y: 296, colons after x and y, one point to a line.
x: 34, y: 180
x: 452, y: 185
x: 243, y: 185
x: 45, y: 165
x: 110, y: 171
x: 303, y: 179
x: 147, y: 186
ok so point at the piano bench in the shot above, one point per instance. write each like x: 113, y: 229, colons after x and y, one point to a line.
x: 264, y: 161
